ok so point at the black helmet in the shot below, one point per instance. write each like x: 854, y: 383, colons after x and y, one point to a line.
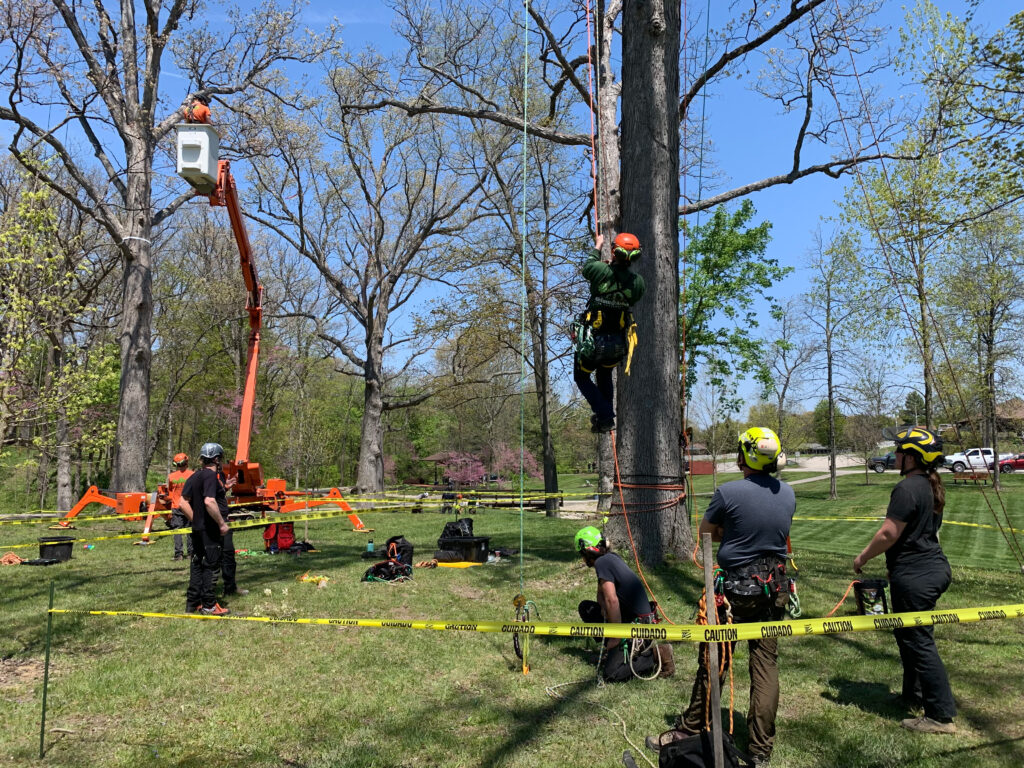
x: 923, y: 444
x: 211, y: 452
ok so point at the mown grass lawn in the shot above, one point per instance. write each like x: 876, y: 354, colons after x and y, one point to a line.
x: 129, y: 691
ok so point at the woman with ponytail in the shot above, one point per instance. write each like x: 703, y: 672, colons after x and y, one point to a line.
x: 918, y: 574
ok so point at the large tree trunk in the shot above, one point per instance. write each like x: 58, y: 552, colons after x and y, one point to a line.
x: 370, y: 472
x: 540, y: 375
x: 136, y: 327
x: 648, y: 400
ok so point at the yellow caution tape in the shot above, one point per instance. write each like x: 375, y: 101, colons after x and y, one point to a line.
x: 235, y: 525
x: 400, y: 502
x: 690, y: 633
x: 880, y: 519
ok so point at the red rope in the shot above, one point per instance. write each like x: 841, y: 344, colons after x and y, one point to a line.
x: 629, y: 531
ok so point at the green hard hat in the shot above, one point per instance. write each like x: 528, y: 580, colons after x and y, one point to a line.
x: 588, y: 537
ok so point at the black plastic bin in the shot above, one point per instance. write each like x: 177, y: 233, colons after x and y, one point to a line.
x: 56, y: 547
x: 473, y: 548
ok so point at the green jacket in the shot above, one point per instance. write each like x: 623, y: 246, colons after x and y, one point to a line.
x: 611, y: 285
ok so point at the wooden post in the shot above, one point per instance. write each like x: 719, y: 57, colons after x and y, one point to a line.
x: 716, y: 694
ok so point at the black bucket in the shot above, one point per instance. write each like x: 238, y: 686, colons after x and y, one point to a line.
x: 56, y: 547
x: 870, y: 594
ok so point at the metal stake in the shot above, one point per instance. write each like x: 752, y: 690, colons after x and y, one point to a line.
x: 46, y: 674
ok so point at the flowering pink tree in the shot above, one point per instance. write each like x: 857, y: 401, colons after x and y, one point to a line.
x: 463, y: 468
x: 505, y: 462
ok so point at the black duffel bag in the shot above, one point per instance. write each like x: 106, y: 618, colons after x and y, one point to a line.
x: 399, y: 548
x: 698, y: 752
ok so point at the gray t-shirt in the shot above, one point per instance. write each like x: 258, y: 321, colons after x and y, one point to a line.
x: 755, y: 514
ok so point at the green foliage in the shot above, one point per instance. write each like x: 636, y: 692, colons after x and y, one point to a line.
x: 913, y: 409
x: 47, y: 372
x: 820, y: 423
x: 725, y: 282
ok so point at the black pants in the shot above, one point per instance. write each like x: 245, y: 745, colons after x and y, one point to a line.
x: 600, y: 396
x: 763, y: 666
x: 617, y: 667
x: 924, y: 675
x: 203, y: 571
x: 178, y: 520
x: 228, y: 563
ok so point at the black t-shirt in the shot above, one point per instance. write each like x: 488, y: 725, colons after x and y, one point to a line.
x: 202, y: 485
x: 633, y: 600
x: 912, y: 503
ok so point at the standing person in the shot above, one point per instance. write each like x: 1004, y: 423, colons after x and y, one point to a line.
x: 751, y: 518
x: 175, y: 484
x: 228, y: 561
x: 621, y: 599
x: 204, y: 502
x: 918, y: 574
x: 605, y: 333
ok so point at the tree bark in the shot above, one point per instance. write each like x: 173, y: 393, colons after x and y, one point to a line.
x: 370, y: 472
x: 539, y: 329
x: 648, y: 400
x: 136, y: 338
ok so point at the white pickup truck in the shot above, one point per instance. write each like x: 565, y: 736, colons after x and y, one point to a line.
x: 974, y: 459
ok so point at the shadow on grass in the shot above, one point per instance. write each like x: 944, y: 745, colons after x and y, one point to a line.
x: 875, y: 698
x: 529, y: 724
x: 1001, y: 745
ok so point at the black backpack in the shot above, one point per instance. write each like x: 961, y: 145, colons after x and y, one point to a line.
x: 698, y: 752
x: 399, y: 548
x: 459, y: 529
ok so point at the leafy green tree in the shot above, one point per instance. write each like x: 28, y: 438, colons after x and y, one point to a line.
x: 913, y: 408
x: 822, y: 431
x: 98, y: 72
x: 725, y: 298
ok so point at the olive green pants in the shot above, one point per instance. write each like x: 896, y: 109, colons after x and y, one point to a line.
x: 764, y: 676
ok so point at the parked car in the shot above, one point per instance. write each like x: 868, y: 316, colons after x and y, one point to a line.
x: 974, y: 458
x: 882, y: 463
x: 1012, y: 465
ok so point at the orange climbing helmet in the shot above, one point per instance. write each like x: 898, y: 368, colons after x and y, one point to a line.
x: 180, y: 459
x: 627, y: 247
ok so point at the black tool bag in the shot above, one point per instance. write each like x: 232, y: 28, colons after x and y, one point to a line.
x: 698, y: 752
x: 459, y: 529
x: 399, y: 548
x: 765, y: 576
x: 388, y: 570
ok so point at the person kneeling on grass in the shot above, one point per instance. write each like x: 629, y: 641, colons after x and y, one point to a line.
x: 621, y: 599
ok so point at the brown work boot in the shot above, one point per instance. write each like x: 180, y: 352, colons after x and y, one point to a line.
x: 927, y: 725
x: 668, y: 662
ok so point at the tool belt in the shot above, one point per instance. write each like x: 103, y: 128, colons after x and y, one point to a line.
x: 764, y: 576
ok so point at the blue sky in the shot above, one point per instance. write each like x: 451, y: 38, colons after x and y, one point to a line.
x: 752, y: 139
